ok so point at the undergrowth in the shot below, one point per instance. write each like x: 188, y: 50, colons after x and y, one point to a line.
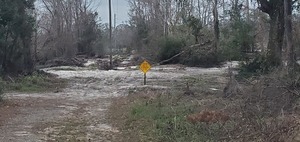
x: 36, y: 82
x: 266, y: 110
x: 161, y: 115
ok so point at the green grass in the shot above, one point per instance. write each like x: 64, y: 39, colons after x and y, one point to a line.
x: 160, y: 116
x: 34, y: 83
x: 165, y: 120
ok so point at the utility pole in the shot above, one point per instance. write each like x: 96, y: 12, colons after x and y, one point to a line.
x: 115, y: 33
x: 110, y: 36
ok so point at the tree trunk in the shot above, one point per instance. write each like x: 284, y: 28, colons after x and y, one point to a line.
x: 276, y: 36
x: 290, y: 59
x: 248, y: 10
x: 216, y: 25
x: 275, y: 9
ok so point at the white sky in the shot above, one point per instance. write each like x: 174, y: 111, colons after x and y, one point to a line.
x: 119, y: 7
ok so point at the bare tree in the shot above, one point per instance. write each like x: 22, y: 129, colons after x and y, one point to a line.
x: 216, y: 25
x: 68, y: 28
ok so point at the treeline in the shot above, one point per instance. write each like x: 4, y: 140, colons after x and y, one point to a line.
x: 16, y: 30
x: 33, y: 32
x: 67, y: 28
x: 223, y: 30
x: 201, y: 33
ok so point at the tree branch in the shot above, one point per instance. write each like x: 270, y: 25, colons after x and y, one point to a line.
x: 294, y: 1
x: 265, y: 6
x: 48, y: 8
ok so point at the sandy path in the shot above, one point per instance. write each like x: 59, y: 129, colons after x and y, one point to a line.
x: 78, y: 112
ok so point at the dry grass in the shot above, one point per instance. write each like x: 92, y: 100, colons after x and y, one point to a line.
x: 208, y: 117
x: 265, y: 110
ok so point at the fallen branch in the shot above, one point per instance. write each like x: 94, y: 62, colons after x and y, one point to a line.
x: 11, y: 79
x: 192, y: 46
x: 164, y: 61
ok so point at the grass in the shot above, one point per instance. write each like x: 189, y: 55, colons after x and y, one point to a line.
x: 34, y: 83
x: 160, y: 115
x: 167, y: 122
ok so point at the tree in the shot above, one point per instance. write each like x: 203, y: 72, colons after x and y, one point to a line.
x: 68, y: 27
x: 196, y: 26
x: 290, y: 51
x: 216, y: 25
x: 280, y: 35
x: 275, y: 10
x: 16, y: 29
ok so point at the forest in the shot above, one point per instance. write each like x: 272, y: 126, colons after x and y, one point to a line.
x: 255, y: 100
x: 34, y: 32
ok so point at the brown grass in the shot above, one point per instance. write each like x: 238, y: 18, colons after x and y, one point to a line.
x: 208, y: 117
x: 264, y: 111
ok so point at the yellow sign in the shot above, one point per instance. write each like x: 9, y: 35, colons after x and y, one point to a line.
x: 145, y: 67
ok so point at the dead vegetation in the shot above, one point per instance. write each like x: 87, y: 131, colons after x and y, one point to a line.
x: 261, y: 109
x: 208, y: 117
x: 269, y: 108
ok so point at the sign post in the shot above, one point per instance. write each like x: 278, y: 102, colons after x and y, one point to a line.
x: 145, y: 77
x: 145, y: 67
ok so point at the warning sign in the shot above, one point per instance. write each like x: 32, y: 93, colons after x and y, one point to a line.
x: 145, y: 67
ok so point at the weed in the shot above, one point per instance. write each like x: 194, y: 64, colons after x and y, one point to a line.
x: 264, y: 111
x: 34, y: 83
x: 163, y: 116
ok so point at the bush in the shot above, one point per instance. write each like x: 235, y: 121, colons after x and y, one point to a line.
x: 259, y: 65
x: 36, y: 82
x: 170, y: 46
x: 200, y: 56
x: 236, y: 40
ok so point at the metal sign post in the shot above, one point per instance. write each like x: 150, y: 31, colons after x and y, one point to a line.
x: 145, y: 78
x: 145, y: 67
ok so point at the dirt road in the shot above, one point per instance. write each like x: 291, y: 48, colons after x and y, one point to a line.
x: 78, y: 112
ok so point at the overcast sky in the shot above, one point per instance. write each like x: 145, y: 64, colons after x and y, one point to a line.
x: 119, y: 7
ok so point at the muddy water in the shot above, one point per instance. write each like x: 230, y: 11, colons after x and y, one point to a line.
x: 78, y: 112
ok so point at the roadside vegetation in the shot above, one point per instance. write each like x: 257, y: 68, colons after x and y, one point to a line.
x: 156, y: 115
x: 260, y: 103
x: 37, y: 82
x: 203, y: 112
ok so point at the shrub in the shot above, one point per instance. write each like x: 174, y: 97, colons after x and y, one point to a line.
x: 170, y: 46
x: 36, y: 82
x: 236, y: 40
x: 200, y: 56
x: 259, y: 65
